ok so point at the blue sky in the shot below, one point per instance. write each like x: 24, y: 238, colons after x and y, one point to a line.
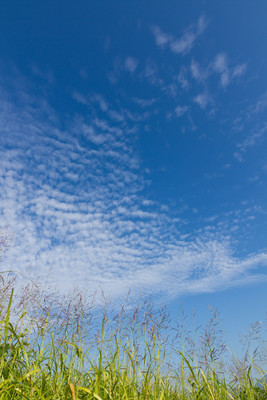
x: 133, y: 148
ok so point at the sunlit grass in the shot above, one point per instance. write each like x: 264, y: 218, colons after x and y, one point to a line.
x: 56, y: 348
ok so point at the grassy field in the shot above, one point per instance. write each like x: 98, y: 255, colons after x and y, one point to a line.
x: 53, y: 347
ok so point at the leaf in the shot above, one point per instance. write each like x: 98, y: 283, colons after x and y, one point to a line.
x: 90, y: 392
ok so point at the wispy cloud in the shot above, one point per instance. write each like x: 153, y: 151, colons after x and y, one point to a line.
x: 100, y: 101
x: 259, y: 106
x: 199, y: 73
x: 80, y: 98
x: 227, y: 73
x: 202, y: 99
x: 74, y: 198
x: 183, y: 78
x: 162, y: 39
x: 249, y: 142
x: 250, y: 126
x: 130, y: 64
x: 151, y: 74
x: 239, y: 70
x: 144, y: 103
x: 121, y: 65
x: 181, y: 110
x: 88, y: 99
x: 183, y: 44
x: 46, y: 75
x: 220, y: 65
x: 195, y: 70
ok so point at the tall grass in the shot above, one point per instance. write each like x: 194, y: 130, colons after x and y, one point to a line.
x: 71, y: 348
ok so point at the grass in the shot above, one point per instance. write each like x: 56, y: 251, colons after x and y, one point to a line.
x: 70, y: 348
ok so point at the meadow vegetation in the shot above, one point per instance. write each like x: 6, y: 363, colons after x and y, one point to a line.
x: 74, y: 347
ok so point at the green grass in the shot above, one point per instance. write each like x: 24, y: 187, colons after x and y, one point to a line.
x: 58, y: 348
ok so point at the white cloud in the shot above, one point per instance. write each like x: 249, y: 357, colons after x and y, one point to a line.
x: 252, y: 128
x: 221, y: 66
x: 89, y: 99
x: 151, y: 74
x: 80, y: 98
x: 181, y: 110
x: 183, y: 44
x: 100, y: 101
x: 182, y: 78
x: 202, y: 99
x: 144, y: 102
x: 249, y: 142
x: 199, y: 73
x: 260, y: 105
x: 195, y: 70
x: 239, y: 70
x: 161, y: 38
x: 130, y: 64
x: 116, y: 116
x: 221, y: 63
x: 74, y: 199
